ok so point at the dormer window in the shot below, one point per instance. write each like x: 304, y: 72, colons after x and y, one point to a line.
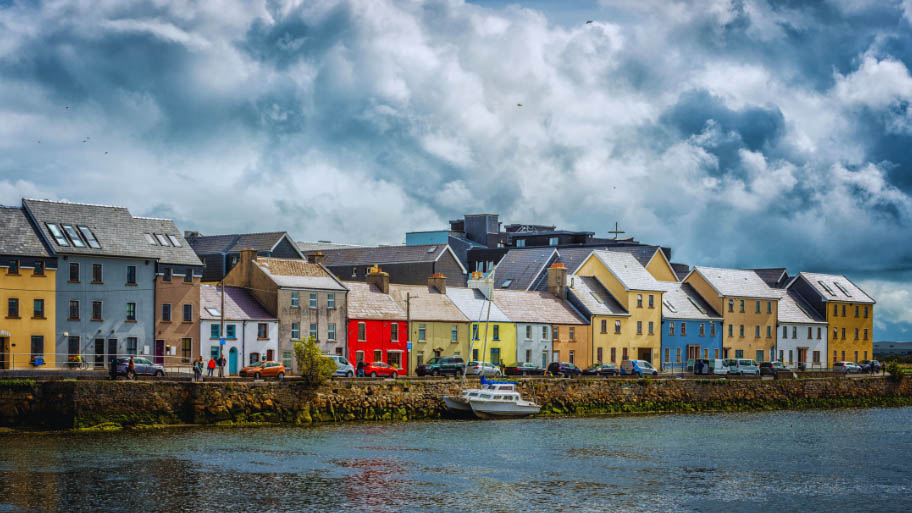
x: 89, y: 237
x: 13, y: 267
x: 58, y: 235
x: 74, y: 237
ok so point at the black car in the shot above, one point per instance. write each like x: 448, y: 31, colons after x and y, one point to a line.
x: 603, y: 369
x: 870, y: 366
x: 563, y: 369
x: 523, y: 369
x: 441, y: 366
x: 771, y: 368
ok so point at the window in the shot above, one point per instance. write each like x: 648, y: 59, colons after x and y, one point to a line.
x: 362, y: 332
x: 671, y: 329
x: 475, y: 334
x: 72, y: 345
x: 331, y: 300
x: 262, y: 330
x: 394, y: 332
x: 599, y: 355
x: 37, y: 345
x: 650, y: 328
x: 835, y: 310
x: 131, y: 345
x: 454, y: 334
x: 758, y: 307
x: 834, y: 357
x: 73, y: 236
x: 166, y: 312
x: 757, y: 331
x: 866, y: 333
x: 419, y: 358
x: 835, y: 333
x: 131, y: 275
x: 769, y: 332
x: 617, y: 327
x: 769, y: 307
x: 150, y: 239
x: 605, y: 326
x: 97, y: 311
x: 89, y: 237
x: 545, y: 332
x: 174, y: 241
x: 496, y: 332
x: 313, y: 299
x: 74, y: 311
x: 613, y: 355
x: 167, y: 274
x: 331, y: 331
x: 856, y: 311
x: 74, y: 272
x: 865, y: 312
x: 742, y: 305
x: 816, y: 357
x: 624, y: 354
x: 162, y: 239
x: 295, y: 331
x: 731, y: 330
x: 810, y: 333
x: 731, y: 305
x: 712, y: 329
x: 131, y: 311
x: 678, y: 355
x: 186, y: 347
x: 639, y: 300
x: 843, y: 311
x: 12, y: 308
x: 785, y: 332
x: 214, y: 331
x: 57, y: 234
x: 254, y: 358
x: 739, y: 353
x: 639, y: 327
x: 856, y: 333
x: 313, y: 330
x: 843, y: 334
x: 554, y: 333
x: 520, y: 243
x: 741, y: 331
x: 188, y: 313
x: 552, y: 241
x: 651, y: 301
x: 506, y: 284
x: 97, y: 274
x: 294, y: 299
x: 422, y: 333
x: 819, y: 330
x: 528, y: 332
x: 378, y: 355
x: 13, y: 267
x: 572, y: 360
x: 39, y: 268
x: 759, y: 355
x: 188, y: 275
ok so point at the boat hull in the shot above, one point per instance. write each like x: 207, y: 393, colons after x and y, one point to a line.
x: 456, y: 404
x: 504, y: 410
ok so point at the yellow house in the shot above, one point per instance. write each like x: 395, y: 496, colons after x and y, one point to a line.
x: 849, y: 312
x: 492, y: 334
x: 436, y: 326
x: 625, y: 301
x: 27, y: 295
x: 749, y: 309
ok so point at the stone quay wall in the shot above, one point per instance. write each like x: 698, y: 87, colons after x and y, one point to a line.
x: 103, y: 404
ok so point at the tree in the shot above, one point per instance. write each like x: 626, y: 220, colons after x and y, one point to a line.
x: 313, y: 366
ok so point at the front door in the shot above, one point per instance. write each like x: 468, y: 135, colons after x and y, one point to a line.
x: 160, y: 352
x: 270, y: 355
x: 544, y: 360
x: 646, y: 354
x: 495, y: 355
x: 693, y: 352
x: 232, y: 361
x: 4, y: 353
x: 112, y: 348
x: 802, y: 355
x: 99, y: 352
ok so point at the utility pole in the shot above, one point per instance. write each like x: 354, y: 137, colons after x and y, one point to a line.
x: 408, y: 332
x: 222, y: 320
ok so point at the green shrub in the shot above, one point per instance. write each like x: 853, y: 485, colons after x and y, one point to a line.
x: 897, y: 373
x: 313, y: 366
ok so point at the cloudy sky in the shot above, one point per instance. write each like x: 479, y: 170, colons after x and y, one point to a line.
x: 739, y: 133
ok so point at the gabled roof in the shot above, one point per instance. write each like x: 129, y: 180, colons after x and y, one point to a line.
x: 595, y: 297
x: 735, y: 282
x: 17, y: 236
x: 365, y: 301
x: 794, y: 309
x: 236, y: 242
x: 681, y: 301
x: 472, y: 304
x: 183, y: 255
x: 537, y: 307
x: 519, y: 268
x: 643, y: 254
x: 425, y: 303
x: 773, y: 276
x: 298, y: 274
x: 629, y: 271
x: 681, y: 270
x: 836, y: 287
x: 240, y: 305
x: 380, y: 255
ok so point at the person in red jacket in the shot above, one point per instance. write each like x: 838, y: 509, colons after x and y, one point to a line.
x: 211, y: 366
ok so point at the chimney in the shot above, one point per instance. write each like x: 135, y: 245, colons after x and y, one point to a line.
x: 557, y: 280
x: 315, y: 258
x: 189, y: 234
x: 438, y: 281
x: 378, y: 278
x: 239, y: 275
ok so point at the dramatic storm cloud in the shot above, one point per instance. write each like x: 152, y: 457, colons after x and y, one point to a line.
x: 739, y: 133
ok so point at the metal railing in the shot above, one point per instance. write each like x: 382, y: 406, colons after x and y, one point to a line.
x: 85, y: 361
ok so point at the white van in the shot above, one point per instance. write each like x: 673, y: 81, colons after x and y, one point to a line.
x: 741, y: 366
x: 343, y: 367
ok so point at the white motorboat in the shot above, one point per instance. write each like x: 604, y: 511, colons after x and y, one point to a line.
x: 502, y: 404
x: 460, y: 404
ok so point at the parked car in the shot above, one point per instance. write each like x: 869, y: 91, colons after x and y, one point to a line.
x: 847, y: 367
x: 771, y: 368
x: 264, y: 369
x: 374, y: 369
x: 870, y: 366
x: 343, y: 366
x: 441, y: 365
x: 142, y: 366
x: 483, y: 368
x: 742, y: 366
x: 523, y: 369
x: 714, y: 366
x: 603, y: 369
x: 563, y: 369
x: 638, y: 367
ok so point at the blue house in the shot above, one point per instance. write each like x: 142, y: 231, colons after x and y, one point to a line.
x: 690, y: 327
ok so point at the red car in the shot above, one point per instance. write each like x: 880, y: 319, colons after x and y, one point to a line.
x: 374, y: 369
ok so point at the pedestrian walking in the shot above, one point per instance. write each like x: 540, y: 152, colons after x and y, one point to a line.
x: 131, y: 369
x: 211, y: 366
x: 198, y: 369
x: 360, y: 369
x: 221, y: 366
x: 112, y: 368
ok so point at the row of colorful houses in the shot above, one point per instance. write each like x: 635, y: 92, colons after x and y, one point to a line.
x: 81, y: 283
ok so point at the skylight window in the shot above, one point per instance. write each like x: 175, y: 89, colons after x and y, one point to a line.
x: 174, y: 241
x: 150, y: 239
x: 74, y: 237
x: 213, y: 312
x: 844, y: 291
x: 669, y: 306
x: 600, y: 300
x: 432, y: 249
x: 162, y: 239
x: 828, y: 289
x: 506, y: 284
x: 57, y: 234
x: 89, y: 237
x: 697, y: 305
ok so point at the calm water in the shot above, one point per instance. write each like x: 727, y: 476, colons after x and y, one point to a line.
x: 844, y: 460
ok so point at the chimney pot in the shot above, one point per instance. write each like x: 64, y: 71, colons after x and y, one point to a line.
x: 379, y: 279
x: 438, y: 281
x: 315, y: 258
x: 557, y: 280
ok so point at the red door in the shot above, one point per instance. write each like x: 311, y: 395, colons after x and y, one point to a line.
x: 160, y: 352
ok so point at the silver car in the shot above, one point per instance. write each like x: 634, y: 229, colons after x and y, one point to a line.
x: 483, y: 368
x: 343, y: 366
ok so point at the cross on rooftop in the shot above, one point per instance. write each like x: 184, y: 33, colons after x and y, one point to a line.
x: 616, y: 232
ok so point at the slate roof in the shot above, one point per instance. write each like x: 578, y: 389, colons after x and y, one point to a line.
x: 681, y: 270
x: 118, y: 233
x: 240, y: 305
x: 520, y: 268
x: 183, y: 255
x: 736, y: 282
x: 794, y: 309
x: 383, y: 255
x: 840, y: 288
x: 473, y: 304
x: 235, y: 242
x: 628, y: 270
x: 643, y: 254
x: 681, y: 301
x: 426, y: 304
x: 366, y: 301
x: 594, y: 296
x: 305, y: 247
x: 537, y: 307
x: 17, y: 236
x: 572, y: 258
x: 773, y: 276
x: 298, y: 274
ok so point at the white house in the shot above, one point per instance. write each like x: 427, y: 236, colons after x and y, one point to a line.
x: 801, y: 333
x: 251, y: 334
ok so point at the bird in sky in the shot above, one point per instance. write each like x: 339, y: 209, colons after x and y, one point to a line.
x: 519, y: 105
x: 588, y: 22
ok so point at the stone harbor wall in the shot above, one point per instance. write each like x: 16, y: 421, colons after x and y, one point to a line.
x: 115, y: 404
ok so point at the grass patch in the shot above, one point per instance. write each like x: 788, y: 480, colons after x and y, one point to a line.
x: 17, y: 383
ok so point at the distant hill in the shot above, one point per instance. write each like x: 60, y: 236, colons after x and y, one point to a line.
x: 892, y: 348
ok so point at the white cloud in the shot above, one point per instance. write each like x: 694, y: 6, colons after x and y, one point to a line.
x: 893, y: 301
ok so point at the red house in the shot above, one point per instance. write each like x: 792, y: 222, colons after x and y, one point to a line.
x: 377, y: 327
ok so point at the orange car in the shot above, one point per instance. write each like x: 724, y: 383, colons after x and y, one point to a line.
x: 264, y: 370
